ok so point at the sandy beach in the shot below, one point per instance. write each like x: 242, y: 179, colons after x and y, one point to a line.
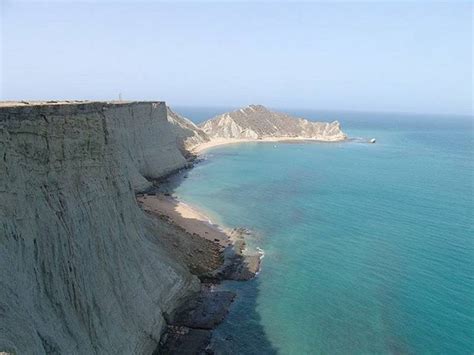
x: 186, y: 216
x: 215, y: 142
x: 239, y: 263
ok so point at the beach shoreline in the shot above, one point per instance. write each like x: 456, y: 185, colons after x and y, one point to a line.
x: 215, y: 142
x: 231, y: 241
x: 184, y: 215
x: 214, y: 254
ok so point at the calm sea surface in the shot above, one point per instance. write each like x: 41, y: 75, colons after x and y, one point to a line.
x: 369, y: 249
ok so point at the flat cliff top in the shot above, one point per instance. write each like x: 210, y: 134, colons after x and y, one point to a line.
x: 27, y: 103
x: 22, y: 110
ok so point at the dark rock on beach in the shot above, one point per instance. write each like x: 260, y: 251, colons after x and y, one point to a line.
x: 185, y: 341
x: 189, y: 329
x: 238, y: 265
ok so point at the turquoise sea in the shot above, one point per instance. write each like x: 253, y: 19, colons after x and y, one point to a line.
x: 369, y: 248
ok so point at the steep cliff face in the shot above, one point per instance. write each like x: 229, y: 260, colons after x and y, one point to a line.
x: 187, y: 133
x: 80, y: 269
x: 256, y: 121
x: 144, y: 140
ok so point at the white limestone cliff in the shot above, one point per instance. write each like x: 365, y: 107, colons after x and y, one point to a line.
x: 81, y: 271
x: 188, y: 134
x: 257, y: 122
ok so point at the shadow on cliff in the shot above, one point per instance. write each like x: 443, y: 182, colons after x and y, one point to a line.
x: 242, y: 331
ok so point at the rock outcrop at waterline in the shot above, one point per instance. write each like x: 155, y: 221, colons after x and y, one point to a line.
x: 257, y: 122
x: 81, y: 271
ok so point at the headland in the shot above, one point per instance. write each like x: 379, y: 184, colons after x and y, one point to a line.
x: 95, y: 258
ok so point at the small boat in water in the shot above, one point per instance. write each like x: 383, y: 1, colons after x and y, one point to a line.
x: 372, y: 140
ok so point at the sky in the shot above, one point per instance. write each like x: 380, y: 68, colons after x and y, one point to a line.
x: 364, y: 56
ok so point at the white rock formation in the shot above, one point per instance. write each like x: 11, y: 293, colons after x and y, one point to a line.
x: 256, y: 121
x: 81, y: 272
x: 188, y: 134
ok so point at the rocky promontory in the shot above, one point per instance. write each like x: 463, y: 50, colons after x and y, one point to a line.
x: 258, y: 122
x: 85, y: 267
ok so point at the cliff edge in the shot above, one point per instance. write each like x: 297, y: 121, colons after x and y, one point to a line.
x: 81, y: 271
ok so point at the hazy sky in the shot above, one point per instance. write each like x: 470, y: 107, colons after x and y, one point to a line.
x: 377, y: 56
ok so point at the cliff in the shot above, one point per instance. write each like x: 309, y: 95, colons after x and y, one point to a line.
x: 257, y: 122
x: 81, y: 266
x: 188, y: 135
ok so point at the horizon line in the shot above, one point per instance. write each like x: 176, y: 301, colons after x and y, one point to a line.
x: 394, y: 112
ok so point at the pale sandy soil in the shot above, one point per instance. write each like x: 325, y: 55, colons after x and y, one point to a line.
x: 40, y: 103
x: 189, y: 218
x: 224, y: 141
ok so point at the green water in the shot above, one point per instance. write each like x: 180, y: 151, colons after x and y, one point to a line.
x: 368, y: 248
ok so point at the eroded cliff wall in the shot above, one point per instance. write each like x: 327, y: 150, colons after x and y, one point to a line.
x: 80, y: 269
x: 187, y: 133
